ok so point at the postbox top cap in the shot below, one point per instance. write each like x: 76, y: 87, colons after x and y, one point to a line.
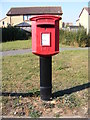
x: 54, y: 17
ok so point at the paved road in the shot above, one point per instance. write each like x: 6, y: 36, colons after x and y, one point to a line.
x: 25, y: 51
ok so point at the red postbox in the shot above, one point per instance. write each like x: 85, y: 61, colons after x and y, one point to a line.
x: 45, y: 35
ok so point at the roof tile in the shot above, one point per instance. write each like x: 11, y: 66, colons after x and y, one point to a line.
x: 35, y: 10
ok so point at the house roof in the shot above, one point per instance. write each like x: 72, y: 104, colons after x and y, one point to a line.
x: 74, y: 26
x: 87, y: 9
x: 35, y: 10
x: 23, y: 24
x: 77, y: 20
x: 3, y: 19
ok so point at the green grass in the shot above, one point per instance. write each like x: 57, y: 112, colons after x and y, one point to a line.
x: 14, y: 45
x: 20, y: 44
x: 21, y: 73
x: 70, y: 69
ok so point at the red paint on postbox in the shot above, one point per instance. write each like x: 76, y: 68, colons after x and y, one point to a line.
x: 45, y: 35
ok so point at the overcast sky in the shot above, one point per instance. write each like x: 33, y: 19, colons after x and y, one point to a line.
x: 71, y: 8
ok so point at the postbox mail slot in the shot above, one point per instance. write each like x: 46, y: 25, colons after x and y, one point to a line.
x: 45, y: 23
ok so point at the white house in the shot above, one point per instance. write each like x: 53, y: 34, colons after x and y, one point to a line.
x: 84, y: 19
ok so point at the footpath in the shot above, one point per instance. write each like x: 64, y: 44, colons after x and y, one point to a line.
x: 25, y: 51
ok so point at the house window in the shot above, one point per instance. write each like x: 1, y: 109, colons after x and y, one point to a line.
x: 25, y: 17
x: 29, y: 16
x: 3, y: 23
x: 79, y: 24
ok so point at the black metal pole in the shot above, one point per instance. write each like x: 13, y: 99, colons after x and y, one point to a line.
x: 45, y: 77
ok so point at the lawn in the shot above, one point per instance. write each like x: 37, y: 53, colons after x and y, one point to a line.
x: 20, y: 74
x: 14, y: 45
x: 20, y: 44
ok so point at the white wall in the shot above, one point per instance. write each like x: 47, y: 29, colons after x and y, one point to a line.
x: 88, y: 24
x: 77, y: 23
x: 16, y: 20
x: 3, y: 21
x: 84, y: 19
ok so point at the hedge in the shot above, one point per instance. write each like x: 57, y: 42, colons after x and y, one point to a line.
x: 79, y: 38
x: 12, y: 34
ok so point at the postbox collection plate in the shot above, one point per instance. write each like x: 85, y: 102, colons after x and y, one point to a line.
x: 45, y: 39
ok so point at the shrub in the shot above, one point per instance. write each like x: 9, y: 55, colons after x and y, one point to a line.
x: 79, y: 38
x: 12, y: 34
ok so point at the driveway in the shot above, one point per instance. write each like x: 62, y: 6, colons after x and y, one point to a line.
x: 25, y: 51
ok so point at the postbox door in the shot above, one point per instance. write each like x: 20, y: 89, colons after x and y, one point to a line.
x: 46, y: 39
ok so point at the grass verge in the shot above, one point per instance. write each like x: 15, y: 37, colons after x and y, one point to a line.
x: 14, y: 45
x: 20, y: 74
x: 20, y: 44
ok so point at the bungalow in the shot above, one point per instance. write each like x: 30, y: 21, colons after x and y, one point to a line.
x: 84, y: 19
x: 23, y: 14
